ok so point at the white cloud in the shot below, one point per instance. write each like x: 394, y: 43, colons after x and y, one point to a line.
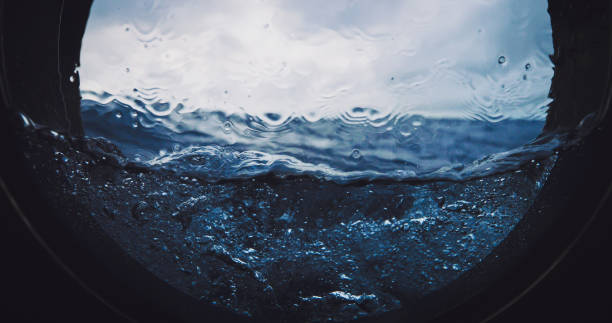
x: 321, y: 58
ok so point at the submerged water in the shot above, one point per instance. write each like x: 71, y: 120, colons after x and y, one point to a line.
x: 298, y: 249
x: 348, y: 90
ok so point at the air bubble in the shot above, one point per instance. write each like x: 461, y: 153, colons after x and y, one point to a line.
x: 355, y: 154
x: 501, y: 60
x: 527, y: 67
x: 127, y: 69
x: 118, y: 115
x: 71, y: 78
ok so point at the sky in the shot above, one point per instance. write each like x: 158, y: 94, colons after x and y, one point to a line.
x: 482, y: 59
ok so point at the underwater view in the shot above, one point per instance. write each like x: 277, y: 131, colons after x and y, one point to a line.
x: 307, y: 160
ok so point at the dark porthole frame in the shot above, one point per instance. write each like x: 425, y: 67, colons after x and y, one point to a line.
x: 39, y: 49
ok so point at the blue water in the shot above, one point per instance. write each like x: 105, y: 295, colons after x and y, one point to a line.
x: 353, y: 146
x: 296, y: 249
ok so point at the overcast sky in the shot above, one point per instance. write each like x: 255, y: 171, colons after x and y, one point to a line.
x: 321, y: 58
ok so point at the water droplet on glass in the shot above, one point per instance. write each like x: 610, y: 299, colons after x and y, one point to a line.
x: 127, y: 69
x: 358, y: 110
x: 118, y: 115
x: 524, y: 77
x: 501, y: 59
x: 392, y: 78
x: 355, y: 154
x: 133, y: 114
x: 26, y: 121
x: 135, y: 125
x: 227, y: 127
x: 417, y: 123
x: 273, y: 116
x: 71, y: 78
x: 127, y: 28
x: 225, y: 91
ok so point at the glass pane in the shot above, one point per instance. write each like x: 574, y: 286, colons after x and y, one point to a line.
x: 341, y: 89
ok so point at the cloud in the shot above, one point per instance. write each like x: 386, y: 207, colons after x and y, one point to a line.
x: 320, y: 58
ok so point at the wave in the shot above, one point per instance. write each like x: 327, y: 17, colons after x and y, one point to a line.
x: 359, y: 144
